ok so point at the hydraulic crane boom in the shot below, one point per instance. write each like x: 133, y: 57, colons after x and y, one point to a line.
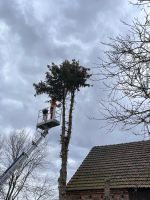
x: 20, y: 160
x: 44, y: 123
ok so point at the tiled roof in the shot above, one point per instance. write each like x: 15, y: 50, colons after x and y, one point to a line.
x: 124, y: 165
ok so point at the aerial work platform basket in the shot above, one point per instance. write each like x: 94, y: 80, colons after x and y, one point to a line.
x: 48, y: 119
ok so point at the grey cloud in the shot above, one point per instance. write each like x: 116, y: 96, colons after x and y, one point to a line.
x: 39, y: 32
x: 87, y: 17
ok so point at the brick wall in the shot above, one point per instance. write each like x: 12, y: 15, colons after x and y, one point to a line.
x: 97, y: 195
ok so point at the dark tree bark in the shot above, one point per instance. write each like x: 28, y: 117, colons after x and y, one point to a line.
x: 62, y: 177
x: 65, y: 139
x: 107, y: 190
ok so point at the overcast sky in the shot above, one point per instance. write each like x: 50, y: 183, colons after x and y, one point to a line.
x: 37, y: 32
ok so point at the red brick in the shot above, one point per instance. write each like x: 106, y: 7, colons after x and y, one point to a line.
x: 97, y: 195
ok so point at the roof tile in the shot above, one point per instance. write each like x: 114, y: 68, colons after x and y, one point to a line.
x: 125, y: 165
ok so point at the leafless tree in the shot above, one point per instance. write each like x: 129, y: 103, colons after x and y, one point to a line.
x: 27, y: 182
x: 126, y: 73
x: 141, y: 2
x: 1, y: 147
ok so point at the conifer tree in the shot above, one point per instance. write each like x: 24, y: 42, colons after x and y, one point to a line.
x: 61, y: 83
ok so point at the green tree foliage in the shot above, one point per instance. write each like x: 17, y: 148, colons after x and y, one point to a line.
x: 61, y: 82
x: 63, y: 79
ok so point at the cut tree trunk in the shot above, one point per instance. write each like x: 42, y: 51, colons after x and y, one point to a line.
x: 65, y: 139
x: 62, y: 176
x: 107, y: 190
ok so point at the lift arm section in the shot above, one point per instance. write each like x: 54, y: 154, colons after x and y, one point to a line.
x: 21, y: 159
x: 44, y: 123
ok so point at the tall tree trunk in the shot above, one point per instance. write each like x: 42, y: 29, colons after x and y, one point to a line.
x: 70, y: 118
x: 65, y: 138
x: 107, y: 190
x: 62, y: 153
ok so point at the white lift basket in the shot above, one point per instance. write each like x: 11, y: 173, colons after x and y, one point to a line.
x: 47, y: 120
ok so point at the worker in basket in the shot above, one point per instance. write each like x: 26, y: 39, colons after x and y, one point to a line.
x: 53, y: 108
x: 45, y: 114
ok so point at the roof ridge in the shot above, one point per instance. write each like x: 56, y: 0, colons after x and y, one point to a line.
x: 126, y: 143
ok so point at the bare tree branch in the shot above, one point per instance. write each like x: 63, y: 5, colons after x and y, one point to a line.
x: 128, y: 68
x: 20, y: 184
